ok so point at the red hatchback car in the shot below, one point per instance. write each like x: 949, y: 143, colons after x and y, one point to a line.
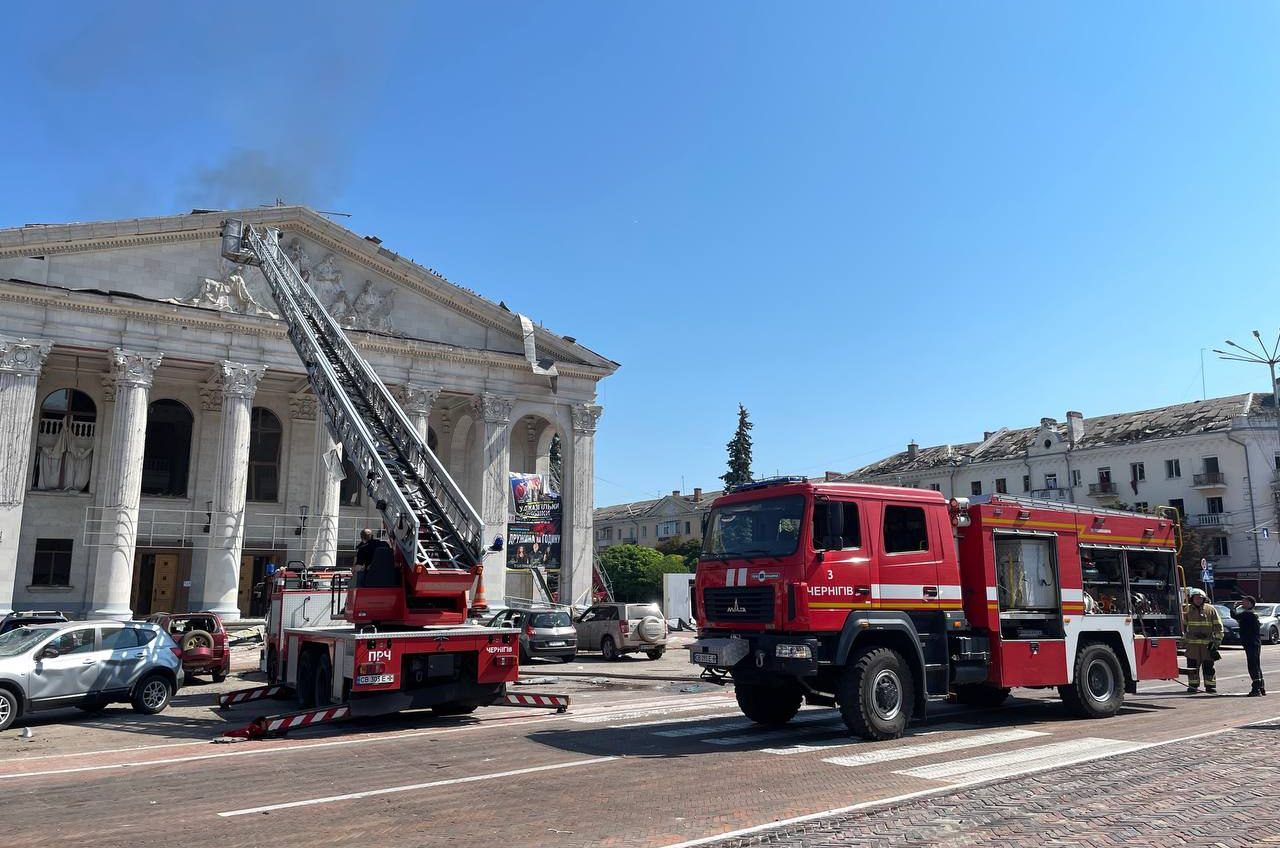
x: 203, y: 641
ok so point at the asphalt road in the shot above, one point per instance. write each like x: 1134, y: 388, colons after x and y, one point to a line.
x: 636, y: 762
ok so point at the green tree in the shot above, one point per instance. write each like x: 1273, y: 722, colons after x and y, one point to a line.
x: 636, y: 571
x: 688, y: 549
x: 739, y: 448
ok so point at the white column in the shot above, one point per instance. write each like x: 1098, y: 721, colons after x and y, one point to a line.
x: 326, y: 495
x: 495, y: 458
x: 219, y: 589
x: 120, y: 483
x: 417, y: 401
x: 576, y: 543
x: 20, y: 364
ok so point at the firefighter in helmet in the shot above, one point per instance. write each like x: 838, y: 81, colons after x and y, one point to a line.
x: 1204, y: 635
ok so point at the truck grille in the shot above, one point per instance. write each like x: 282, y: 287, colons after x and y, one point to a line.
x: 754, y: 603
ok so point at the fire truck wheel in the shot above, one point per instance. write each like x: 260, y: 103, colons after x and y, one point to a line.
x: 877, y: 694
x: 770, y: 705
x: 323, y: 680
x: 305, y: 690
x: 610, y: 649
x: 980, y: 695
x: 1098, y: 690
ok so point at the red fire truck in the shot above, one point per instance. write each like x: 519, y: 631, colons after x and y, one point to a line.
x: 878, y: 600
x: 400, y: 632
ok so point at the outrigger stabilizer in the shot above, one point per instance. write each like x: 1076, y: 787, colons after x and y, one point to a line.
x: 278, y: 725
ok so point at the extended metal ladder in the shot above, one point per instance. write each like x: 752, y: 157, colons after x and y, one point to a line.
x: 423, y: 509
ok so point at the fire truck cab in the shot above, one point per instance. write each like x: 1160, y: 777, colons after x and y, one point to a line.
x: 878, y: 599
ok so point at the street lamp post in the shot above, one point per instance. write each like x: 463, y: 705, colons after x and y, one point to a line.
x: 1269, y: 357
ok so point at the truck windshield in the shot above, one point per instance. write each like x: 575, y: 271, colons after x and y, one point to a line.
x: 758, y: 528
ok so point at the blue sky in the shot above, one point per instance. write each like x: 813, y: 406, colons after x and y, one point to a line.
x: 866, y: 222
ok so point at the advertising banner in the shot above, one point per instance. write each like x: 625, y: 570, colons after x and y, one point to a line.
x: 533, y: 524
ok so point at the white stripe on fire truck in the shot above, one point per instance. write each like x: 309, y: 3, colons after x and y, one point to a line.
x: 1076, y: 595
x: 993, y: 593
x: 912, y: 592
x: 736, y: 577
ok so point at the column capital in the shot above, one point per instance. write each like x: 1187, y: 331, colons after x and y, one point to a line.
x: 417, y: 400
x: 24, y: 356
x: 240, y: 380
x: 129, y: 368
x: 585, y: 416
x: 494, y: 409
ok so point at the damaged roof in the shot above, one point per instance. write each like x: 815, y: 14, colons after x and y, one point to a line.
x: 1182, y: 419
x: 640, y: 509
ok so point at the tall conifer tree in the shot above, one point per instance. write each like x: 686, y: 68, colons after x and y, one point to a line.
x: 739, y: 452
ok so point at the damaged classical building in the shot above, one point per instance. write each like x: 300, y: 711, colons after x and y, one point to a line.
x: 1216, y: 460
x: 148, y: 391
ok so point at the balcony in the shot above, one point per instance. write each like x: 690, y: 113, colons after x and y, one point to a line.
x: 1220, y: 520
x: 1102, y: 490
x: 1209, y: 480
x: 1054, y: 494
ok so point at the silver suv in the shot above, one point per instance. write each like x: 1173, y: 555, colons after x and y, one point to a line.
x: 618, y: 629
x: 87, y: 664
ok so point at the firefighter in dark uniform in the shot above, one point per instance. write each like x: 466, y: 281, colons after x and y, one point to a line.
x: 1251, y: 638
x: 1204, y: 635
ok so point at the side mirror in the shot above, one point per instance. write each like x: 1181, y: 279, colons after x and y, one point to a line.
x: 49, y: 653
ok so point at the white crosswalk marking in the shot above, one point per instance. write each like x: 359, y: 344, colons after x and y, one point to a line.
x: 624, y: 715
x: 926, y: 749
x: 849, y: 742
x: 788, y: 732
x: 743, y: 724
x: 680, y: 720
x: 1010, y: 763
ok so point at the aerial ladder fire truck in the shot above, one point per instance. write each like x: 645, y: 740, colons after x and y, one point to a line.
x: 878, y: 600
x: 399, y: 633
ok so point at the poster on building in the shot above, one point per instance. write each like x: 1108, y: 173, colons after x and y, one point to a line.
x: 533, y: 525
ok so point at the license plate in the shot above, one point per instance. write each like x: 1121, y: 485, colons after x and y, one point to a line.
x: 374, y: 679
x: 706, y: 659
x: 556, y: 644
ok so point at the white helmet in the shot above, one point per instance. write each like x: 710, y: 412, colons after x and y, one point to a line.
x: 1194, y: 593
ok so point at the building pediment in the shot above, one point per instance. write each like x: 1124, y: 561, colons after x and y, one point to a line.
x: 364, y: 286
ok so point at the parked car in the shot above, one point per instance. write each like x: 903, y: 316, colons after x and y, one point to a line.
x: 617, y: 629
x: 544, y: 632
x: 27, y: 619
x: 86, y: 664
x: 1230, y: 627
x: 203, y: 641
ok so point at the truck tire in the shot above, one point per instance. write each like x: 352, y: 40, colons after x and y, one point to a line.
x: 1098, y: 690
x: 323, y: 687
x: 876, y: 694
x: 305, y: 689
x: 981, y: 695
x: 772, y: 706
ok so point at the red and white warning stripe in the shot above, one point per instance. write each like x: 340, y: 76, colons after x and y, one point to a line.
x: 245, y: 695
x: 281, y: 723
x: 559, y: 702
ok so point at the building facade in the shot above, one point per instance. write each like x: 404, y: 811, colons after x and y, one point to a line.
x: 159, y: 441
x: 672, y: 518
x: 1217, y: 461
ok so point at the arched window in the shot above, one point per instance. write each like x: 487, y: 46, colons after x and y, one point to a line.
x: 166, y: 459
x: 351, y: 489
x: 265, y: 435
x: 64, y: 441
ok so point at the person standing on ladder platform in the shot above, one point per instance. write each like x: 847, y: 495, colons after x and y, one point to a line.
x: 1204, y: 635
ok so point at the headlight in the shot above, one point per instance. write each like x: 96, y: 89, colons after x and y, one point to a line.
x: 795, y: 652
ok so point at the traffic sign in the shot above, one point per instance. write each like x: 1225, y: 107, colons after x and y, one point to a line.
x: 1206, y: 573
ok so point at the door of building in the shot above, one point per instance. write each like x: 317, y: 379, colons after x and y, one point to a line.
x: 253, y: 569
x: 155, y: 581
